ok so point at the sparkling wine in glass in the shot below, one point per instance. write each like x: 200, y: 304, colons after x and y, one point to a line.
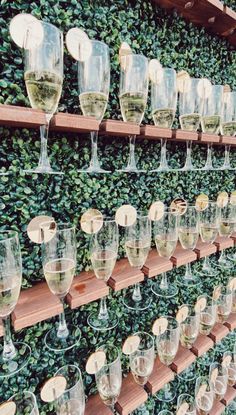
x: 72, y: 401
x: 224, y: 304
x: 166, y: 236
x: 43, y: 79
x: 25, y: 402
x: 137, y: 246
x: 218, y: 383
x: 59, y: 264
x: 133, y: 97
x: 94, y: 84
x: 207, y: 315
x: 13, y: 356
x: 163, y: 103
x: 204, y: 395
x: 228, y: 123
x: 231, y: 367
x: 227, y: 223
x: 103, y: 254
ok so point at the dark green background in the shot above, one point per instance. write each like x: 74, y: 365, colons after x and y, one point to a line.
x: 151, y: 31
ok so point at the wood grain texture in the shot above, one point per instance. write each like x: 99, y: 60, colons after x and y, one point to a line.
x: 229, y: 396
x: 182, y: 360
x: 223, y: 243
x: 124, y: 275
x: 161, y: 375
x: 183, y: 135
x: 202, y: 345
x: 13, y: 116
x: 74, y: 123
x: 182, y: 256
x: 155, y: 133
x: 209, y: 138
x: 95, y: 406
x: 228, y: 140
x: 217, y: 409
x: 120, y: 128
x: 34, y: 305
x: 155, y: 264
x: 131, y: 397
x: 231, y: 322
x: 85, y: 289
x: 203, y: 249
x: 218, y: 332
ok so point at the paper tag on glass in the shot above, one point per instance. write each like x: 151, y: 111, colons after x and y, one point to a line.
x: 91, y: 221
x: 125, y: 50
x: 95, y: 362
x: 183, y: 409
x: 216, y: 292
x: 232, y: 199
x: 201, y: 391
x: 53, y: 388
x: 214, y: 374
x: 23, y: 23
x: 131, y: 344
x: 183, y: 82
x: 200, y: 304
x: 202, y: 202
x: 156, y: 211
x: 126, y: 215
x: 232, y: 284
x: 159, y: 326
x: 78, y: 44
x: 8, y: 408
x: 222, y: 199
x: 178, y: 206
x: 226, y: 360
x: 182, y: 313
x: 41, y: 229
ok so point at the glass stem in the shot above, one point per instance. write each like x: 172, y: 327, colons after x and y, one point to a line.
x: 9, y: 350
x: 163, y: 161
x: 226, y: 164
x: 166, y: 391
x: 137, y: 296
x: 188, y: 162
x: 44, y: 161
x: 94, y: 163
x: 222, y: 257
x: 62, y: 332
x: 206, y: 263
x: 103, y: 313
x: 164, y: 281
x: 188, y: 271
x: 132, y: 162
x: 208, y: 165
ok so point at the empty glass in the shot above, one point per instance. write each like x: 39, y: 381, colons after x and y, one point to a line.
x: 72, y: 401
x: 133, y: 97
x: 219, y: 382
x: 163, y: 103
x: 25, y: 403
x: 190, y: 400
x: 228, y: 123
x: 204, y: 397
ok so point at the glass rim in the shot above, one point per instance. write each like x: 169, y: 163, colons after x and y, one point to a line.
x: 149, y: 336
x: 136, y: 55
x: 103, y: 219
x: 15, y: 235
x: 95, y: 41
x: 79, y: 372
x: 103, y: 347
x: 45, y: 24
x: 191, y: 307
x: 59, y: 226
x: 170, y: 318
x: 186, y: 394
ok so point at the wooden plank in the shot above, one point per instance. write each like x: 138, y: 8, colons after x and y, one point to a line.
x: 203, y: 249
x: 155, y: 133
x: 222, y: 242
x: 124, y: 275
x: 209, y: 138
x: 184, y: 135
x: 14, y: 116
x: 182, y: 360
x: 218, y: 332
x: 231, y: 322
x: 131, y: 396
x: 155, y: 264
x: 182, y: 256
x: 228, y: 140
x: 95, y: 406
x: 217, y: 409
x: 229, y: 396
x: 161, y: 375
x: 85, y: 289
x: 202, y: 345
x: 120, y: 128
x: 34, y: 305
x: 73, y: 123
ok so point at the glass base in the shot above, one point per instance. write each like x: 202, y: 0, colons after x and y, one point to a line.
x: 130, y: 170
x: 56, y: 344
x: 93, y: 170
x: 169, y: 292
x: 103, y: 324
x: 225, y: 264
x: 13, y: 366
x: 189, y: 374
x: 207, y: 272
x: 42, y: 170
x: 143, y: 304
x: 161, y: 169
x: 167, y: 394
x: 189, y: 281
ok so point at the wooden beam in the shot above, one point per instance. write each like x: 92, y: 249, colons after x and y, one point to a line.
x: 182, y: 256
x: 95, y: 406
x: 120, y: 128
x: 218, y: 332
x: 131, y: 396
x: 155, y: 264
x: 73, y: 123
x: 203, y: 249
x: 183, y: 359
x: 202, y: 345
x: 161, y: 375
x: 124, y: 275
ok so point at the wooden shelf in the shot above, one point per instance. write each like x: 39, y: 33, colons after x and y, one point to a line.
x: 120, y: 128
x: 218, y: 408
x: 183, y: 359
x: 202, y: 249
x: 211, y: 14
x: 73, y: 123
x: 182, y: 256
x: 202, y: 345
x: 131, y: 396
x: 229, y: 396
x: 155, y: 264
x: 161, y: 375
x: 124, y: 275
x: 218, y: 332
x: 223, y: 243
x: 231, y: 322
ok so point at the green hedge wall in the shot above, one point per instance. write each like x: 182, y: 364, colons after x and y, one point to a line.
x: 155, y: 33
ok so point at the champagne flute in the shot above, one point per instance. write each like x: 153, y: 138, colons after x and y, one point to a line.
x: 163, y: 103
x: 25, y: 402
x: 109, y: 377
x: 103, y: 253
x: 208, y: 226
x: 44, y: 78
x: 211, y: 120
x: 167, y: 346
x: 219, y: 383
x: 190, y: 110
x: 166, y: 236
x: 133, y: 97
x: 13, y: 356
x: 227, y: 221
x: 204, y: 398
x: 224, y: 304
x: 185, y: 397
x: 188, y: 236
x: 228, y: 123
x: 231, y: 367
x: 207, y: 315
x: 94, y: 84
x: 59, y: 264
x: 72, y: 401
x: 137, y: 246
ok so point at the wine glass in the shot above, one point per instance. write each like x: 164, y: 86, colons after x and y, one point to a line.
x: 231, y: 367
x: 185, y: 397
x: 137, y: 246
x: 188, y: 236
x: 44, y: 78
x: 218, y: 383
x: 211, y: 120
x: 103, y: 254
x: 208, y: 227
x: 167, y: 346
x: 94, y: 84
x: 227, y: 221
x: 190, y: 110
x: 228, y: 123
x: 13, y: 356
x: 207, y: 315
x: 224, y: 304
x: 204, y: 399
x: 133, y: 97
x: 163, y: 103
x: 26, y: 403
x: 72, y: 401
x: 109, y: 377
x: 166, y: 236
x: 59, y: 264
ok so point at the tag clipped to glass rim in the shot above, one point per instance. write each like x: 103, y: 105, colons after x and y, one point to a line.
x: 78, y: 44
x: 53, y: 388
x: 126, y: 215
x: 8, y: 408
x: 183, y: 409
x: 222, y: 199
x: 155, y: 71
x: 156, y: 211
x: 232, y: 198
x: 217, y: 292
x: 91, y: 221
x: 204, y: 88
x: 214, y: 374
x: 232, y: 284
x: 200, y: 304
x: 178, y: 206
x: 131, y: 344
x: 202, y: 202
x: 26, y: 31
x: 125, y: 50
x: 41, y: 229
x: 201, y: 391
x: 95, y: 362
x: 183, y: 82
x: 159, y: 326
x: 227, y: 359
x: 182, y: 314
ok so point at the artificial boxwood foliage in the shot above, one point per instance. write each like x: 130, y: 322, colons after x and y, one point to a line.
x: 151, y: 31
